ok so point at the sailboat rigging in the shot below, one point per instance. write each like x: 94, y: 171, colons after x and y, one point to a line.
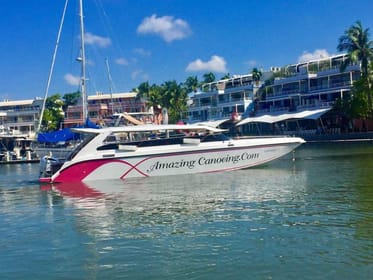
x: 51, y: 140
x: 110, y: 84
x: 81, y: 59
x: 52, y: 67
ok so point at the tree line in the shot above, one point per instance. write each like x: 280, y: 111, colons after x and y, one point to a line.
x: 170, y: 95
x: 173, y: 95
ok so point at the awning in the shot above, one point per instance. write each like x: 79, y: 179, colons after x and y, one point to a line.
x: 307, y: 114
x: 212, y: 123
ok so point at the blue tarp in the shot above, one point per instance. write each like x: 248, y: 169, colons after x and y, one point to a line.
x: 63, y: 135
x: 90, y: 124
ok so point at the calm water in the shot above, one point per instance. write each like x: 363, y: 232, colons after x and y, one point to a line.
x: 307, y: 219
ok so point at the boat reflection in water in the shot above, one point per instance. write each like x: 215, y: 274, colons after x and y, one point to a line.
x: 256, y: 184
x: 310, y: 214
x: 155, y: 206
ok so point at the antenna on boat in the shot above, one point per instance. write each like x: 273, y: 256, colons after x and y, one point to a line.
x: 52, y: 67
x: 83, y: 62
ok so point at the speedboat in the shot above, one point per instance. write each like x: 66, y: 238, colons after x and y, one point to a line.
x: 159, y: 150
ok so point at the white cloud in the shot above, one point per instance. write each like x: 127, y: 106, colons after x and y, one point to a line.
x: 167, y: 27
x: 142, y: 52
x: 139, y: 75
x: 317, y: 54
x: 90, y: 62
x: 121, y: 61
x: 72, y: 80
x: 251, y: 63
x: 99, y: 41
x: 215, y: 64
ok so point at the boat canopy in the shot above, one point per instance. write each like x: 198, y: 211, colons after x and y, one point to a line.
x: 307, y: 114
x: 63, y: 135
x: 150, y: 127
x: 212, y: 123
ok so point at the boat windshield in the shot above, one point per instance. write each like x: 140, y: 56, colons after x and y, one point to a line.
x: 86, y: 139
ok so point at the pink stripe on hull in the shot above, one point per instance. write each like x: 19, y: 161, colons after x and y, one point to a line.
x: 78, y: 172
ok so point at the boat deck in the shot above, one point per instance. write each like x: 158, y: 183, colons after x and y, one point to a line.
x: 20, y: 161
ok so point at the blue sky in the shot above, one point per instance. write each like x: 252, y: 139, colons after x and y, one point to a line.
x: 163, y: 40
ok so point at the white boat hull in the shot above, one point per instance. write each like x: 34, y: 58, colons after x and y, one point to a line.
x: 175, y: 159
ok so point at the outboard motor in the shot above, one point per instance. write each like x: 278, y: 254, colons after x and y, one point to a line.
x: 48, y: 166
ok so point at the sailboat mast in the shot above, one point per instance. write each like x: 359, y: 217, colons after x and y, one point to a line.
x: 83, y: 62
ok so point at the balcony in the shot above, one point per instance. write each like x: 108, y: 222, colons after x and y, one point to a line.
x: 332, y: 85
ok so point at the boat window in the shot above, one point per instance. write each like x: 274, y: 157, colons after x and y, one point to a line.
x: 112, y: 146
x: 215, y: 137
x: 110, y: 138
x: 149, y: 142
x: 148, y: 139
x: 86, y: 140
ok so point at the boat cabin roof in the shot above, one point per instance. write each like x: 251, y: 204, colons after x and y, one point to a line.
x: 150, y: 127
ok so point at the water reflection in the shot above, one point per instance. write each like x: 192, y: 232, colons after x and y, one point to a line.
x: 308, y: 217
x: 177, y: 199
x: 311, y: 216
x: 13, y: 175
x: 318, y: 206
x: 247, y: 185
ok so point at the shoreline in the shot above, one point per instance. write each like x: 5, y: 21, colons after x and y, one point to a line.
x: 337, y: 137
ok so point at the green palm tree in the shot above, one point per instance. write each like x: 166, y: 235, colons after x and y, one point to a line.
x: 257, y: 74
x: 208, y: 78
x: 142, y: 90
x: 356, y: 42
x: 154, y: 97
x: 359, y: 48
x: 174, y: 98
x: 191, y: 83
x: 226, y: 76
